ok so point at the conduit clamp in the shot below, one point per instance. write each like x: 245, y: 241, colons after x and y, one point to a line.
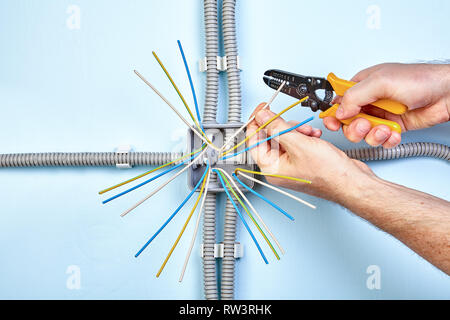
x: 221, y: 64
x: 219, y: 250
x: 122, y: 152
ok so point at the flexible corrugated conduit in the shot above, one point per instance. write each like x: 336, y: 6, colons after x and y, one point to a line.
x: 229, y: 240
x: 231, y: 52
x: 212, y: 52
x: 210, y: 116
x: 104, y: 159
x: 234, y: 116
x: 406, y: 150
x: 86, y: 159
x: 209, y: 240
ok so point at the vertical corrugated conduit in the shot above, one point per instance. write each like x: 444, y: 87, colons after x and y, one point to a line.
x: 234, y: 116
x: 209, y: 116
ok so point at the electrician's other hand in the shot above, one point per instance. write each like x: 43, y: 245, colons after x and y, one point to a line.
x: 423, y: 88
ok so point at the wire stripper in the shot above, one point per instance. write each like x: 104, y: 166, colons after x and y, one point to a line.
x: 320, y: 92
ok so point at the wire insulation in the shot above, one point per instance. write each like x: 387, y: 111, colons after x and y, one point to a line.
x: 272, y: 175
x: 264, y: 125
x: 194, y: 96
x: 194, y: 235
x: 262, y: 197
x: 186, y: 223
x: 267, y: 139
x: 230, y: 179
x: 146, y: 181
x: 176, y: 88
x: 151, y: 171
x: 173, y: 215
x: 240, y: 216
x: 278, y: 190
x: 200, y: 134
x: 252, y: 117
x: 162, y: 186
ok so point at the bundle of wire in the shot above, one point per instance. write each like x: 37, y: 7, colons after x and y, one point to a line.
x: 229, y: 182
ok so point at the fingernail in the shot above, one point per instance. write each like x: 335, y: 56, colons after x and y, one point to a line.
x: 340, y: 112
x: 262, y: 117
x: 381, y: 135
x: 361, y: 127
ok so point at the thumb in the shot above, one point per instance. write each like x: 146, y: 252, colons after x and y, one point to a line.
x: 361, y: 94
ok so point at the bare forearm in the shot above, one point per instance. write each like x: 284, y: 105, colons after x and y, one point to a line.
x: 419, y: 220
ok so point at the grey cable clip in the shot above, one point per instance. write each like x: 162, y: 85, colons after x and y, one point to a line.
x: 122, y: 152
x: 221, y: 64
x: 219, y: 250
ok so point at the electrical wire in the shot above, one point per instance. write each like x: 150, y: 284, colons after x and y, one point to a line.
x: 267, y: 139
x: 162, y: 186
x: 146, y: 181
x: 201, y: 135
x: 230, y: 179
x: 264, y: 125
x: 194, y: 96
x: 250, y: 215
x: 272, y: 175
x: 194, y: 235
x: 262, y: 197
x: 151, y: 171
x: 173, y: 214
x: 185, y: 224
x: 240, y: 216
x: 175, y: 87
x: 278, y: 190
x: 253, y: 117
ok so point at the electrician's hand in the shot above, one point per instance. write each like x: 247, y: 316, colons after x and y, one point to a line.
x: 302, y: 154
x: 423, y: 88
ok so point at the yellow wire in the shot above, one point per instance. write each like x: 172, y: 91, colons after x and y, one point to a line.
x: 175, y: 86
x: 272, y: 175
x: 184, y: 227
x: 148, y: 172
x: 251, y: 216
x: 182, y: 99
x: 263, y: 126
x: 181, y: 96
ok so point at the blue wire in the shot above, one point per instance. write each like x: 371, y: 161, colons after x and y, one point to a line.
x: 263, y: 198
x: 267, y: 139
x: 240, y: 216
x: 173, y: 214
x: 192, y: 85
x: 149, y: 180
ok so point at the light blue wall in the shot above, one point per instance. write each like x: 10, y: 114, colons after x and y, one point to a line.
x: 74, y: 90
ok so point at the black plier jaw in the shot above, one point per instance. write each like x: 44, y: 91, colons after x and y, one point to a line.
x: 299, y: 86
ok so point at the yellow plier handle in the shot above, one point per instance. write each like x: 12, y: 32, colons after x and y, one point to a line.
x: 341, y: 85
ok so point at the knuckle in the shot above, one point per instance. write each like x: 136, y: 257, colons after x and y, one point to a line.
x: 352, y: 136
x: 371, y: 142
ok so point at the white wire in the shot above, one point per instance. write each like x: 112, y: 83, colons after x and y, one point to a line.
x: 253, y: 209
x: 195, y: 230
x: 253, y: 117
x: 163, y: 185
x: 278, y: 190
x: 176, y: 111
